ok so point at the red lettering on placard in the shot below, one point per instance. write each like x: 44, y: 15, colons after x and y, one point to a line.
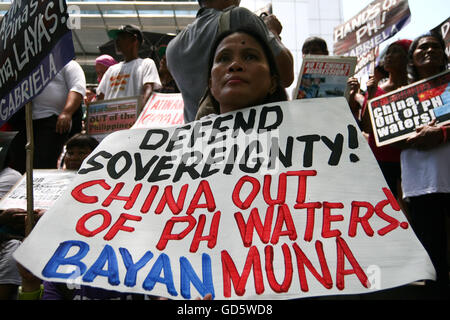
x: 81, y: 224
x: 167, y: 232
x: 119, y: 225
x: 281, y: 195
x: 202, y: 189
x: 284, y: 217
x: 77, y: 192
x: 303, y: 261
x: 149, y: 199
x: 301, y: 189
x: 393, y: 223
x: 230, y: 273
x: 364, y: 220
x: 288, y: 270
x: 130, y: 200
x: 168, y: 199
x: 211, y: 237
x: 254, y: 222
x: 328, y: 218
x: 310, y: 217
x: 237, y: 189
x: 343, y: 251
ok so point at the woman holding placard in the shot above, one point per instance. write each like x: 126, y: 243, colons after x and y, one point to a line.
x: 395, y: 64
x: 425, y: 164
x: 242, y: 72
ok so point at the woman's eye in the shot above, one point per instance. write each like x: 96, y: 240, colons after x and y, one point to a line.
x: 223, y: 58
x: 250, y: 57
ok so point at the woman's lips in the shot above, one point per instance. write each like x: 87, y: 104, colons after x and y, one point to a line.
x: 235, y: 80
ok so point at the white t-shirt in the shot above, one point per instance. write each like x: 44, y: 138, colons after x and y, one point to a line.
x: 127, y: 79
x: 52, y: 100
x: 9, y: 273
x: 425, y: 172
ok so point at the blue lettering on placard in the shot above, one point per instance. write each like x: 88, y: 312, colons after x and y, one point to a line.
x: 59, y: 259
x: 188, y: 275
x: 106, y: 265
x: 162, y: 263
x: 112, y: 273
x: 133, y: 268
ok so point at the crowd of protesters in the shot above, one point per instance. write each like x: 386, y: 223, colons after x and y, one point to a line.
x: 196, y: 63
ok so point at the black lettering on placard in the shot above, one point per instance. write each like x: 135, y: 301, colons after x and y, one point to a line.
x: 171, y: 146
x: 162, y: 164
x: 188, y: 168
x: 93, y: 163
x: 112, y: 164
x: 217, y: 129
x: 243, y: 165
x: 263, y: 126
x: 141, y: 171
x: 335, y: 147
x: 309, y: 147
x: 243, y: 124
x: 147, y: 145
x: 276, y: 154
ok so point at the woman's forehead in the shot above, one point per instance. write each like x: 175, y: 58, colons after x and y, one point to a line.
x: 427, y: 39
x: 239, y: 40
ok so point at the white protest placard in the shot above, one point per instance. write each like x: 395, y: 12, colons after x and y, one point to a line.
x: 48, y: 186
x: 324, y: 76
x: 278, y: 201
x: 161, y: 110
x: 107, y: 116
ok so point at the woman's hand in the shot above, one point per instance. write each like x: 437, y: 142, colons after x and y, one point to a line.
x: 372, y: 85
x: 273, y: 24
x: 353, y: 86
x: 13, y: 218
x: 427, y: 137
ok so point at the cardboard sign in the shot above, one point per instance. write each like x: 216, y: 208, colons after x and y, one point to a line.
x: 376, y: 23
x: 278, y: 201
x: 324, y: 76
x: 48, y: 186
x: 444, y: 28
x: 35, y: 43
x: 396, y: 115
x: 161, y: 110
x: 107, y: 116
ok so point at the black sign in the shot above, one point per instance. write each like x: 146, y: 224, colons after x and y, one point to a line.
x: 35, y: 43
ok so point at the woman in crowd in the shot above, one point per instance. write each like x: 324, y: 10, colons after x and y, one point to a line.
x: 243, y: 72
x: 425, y: 164
x: 102, y: 63
x: 388, y: 157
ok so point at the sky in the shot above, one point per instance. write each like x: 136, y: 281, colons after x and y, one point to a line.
x: 425, y: 15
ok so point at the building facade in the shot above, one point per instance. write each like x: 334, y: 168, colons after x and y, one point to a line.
x: 302, y: 19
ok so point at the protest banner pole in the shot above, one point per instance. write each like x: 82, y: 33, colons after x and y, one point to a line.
x: 29, y: 147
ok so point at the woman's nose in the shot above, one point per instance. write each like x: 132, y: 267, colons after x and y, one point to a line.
x: 235, y: 65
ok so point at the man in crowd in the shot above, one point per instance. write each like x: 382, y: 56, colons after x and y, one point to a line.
x: 187, y: 54
x: 52, y: 118
x: 132, y: 77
